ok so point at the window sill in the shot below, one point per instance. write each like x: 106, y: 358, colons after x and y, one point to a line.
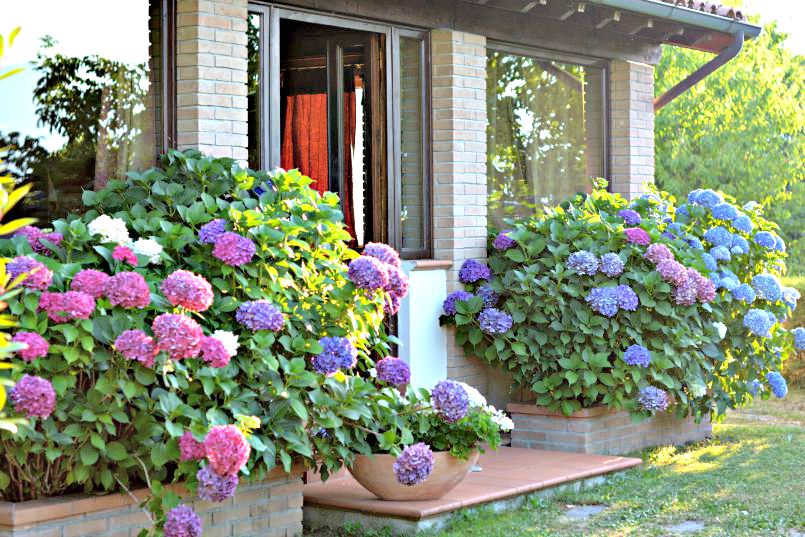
x: 429, y: 264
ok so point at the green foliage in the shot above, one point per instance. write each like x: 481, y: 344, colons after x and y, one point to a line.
x: 571, y: 357
x: 795, y: 367
x: 741, y: 130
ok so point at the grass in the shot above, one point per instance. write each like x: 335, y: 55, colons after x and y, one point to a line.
x: 745, y: 481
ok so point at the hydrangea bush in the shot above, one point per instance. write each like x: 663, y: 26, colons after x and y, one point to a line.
x: 643, y: 306
x: 186, y: 298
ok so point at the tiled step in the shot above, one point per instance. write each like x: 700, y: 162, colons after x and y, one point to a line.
x: 505, y: 478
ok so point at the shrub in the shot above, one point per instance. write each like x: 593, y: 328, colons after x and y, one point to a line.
x: 631, y: 305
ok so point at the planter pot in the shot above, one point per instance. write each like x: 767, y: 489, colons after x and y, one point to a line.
x: 599, y: 430
x: 376, y: 474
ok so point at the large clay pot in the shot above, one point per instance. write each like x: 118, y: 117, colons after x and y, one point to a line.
x: 376, y: 474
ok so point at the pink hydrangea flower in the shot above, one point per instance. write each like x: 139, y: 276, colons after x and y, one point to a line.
x: 705, y: 288
x: 37, y: 275
x: 658, y: 252
x: 34, y: 236
x: 37, y: 345
x: 67, y: 306
x: 127, y: 290
x: 190, y: 449
x: 178, y: 335
x: 234, y: 249
x: 673, y: 272
x: 188, y: 290
x: 137, y: 345
x: 90, y: 281
x: 397, y: 285
x: 383, y: 252
x: 214, y: 352
x: 34, y: 397
x: 637, y: 235
x: 124, y: 253
x: 226, y: 449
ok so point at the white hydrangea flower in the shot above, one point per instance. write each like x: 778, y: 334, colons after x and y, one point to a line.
x: 110, y: 229
x: 475, y: 397
x: 149, y: 248
x: 504, y: 422
x: 229, y: 340
x: 722, y: 329
x: 697, y: 390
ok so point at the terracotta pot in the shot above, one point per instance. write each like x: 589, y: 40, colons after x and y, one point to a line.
x: 376, y: 474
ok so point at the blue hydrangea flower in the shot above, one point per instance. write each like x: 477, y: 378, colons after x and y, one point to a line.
x: 725, y: 211
x: 759, y: 322
x: 603, y: 300
x: 637, y: 355
x: 260, y: 315
x: 682, y: 213
x: 695, y: 243
x: 674, y: 228
x: 209, y: 233
x: 718, y: 236
x: 754, y: 387
x: 471, y: 271
x: 766, y: 239
x: 668, y: 235
x: 337, y: 353
x: 449, y: 304
x: 799, y: 338
x: 744, y: 293
x: 503, y: 241
x: 767, y: 287
x: 791, y: 296
x: 777, y: 383
x: 489, y: 297
x: 583, y: 262
x: 779, y: 244
x: 728, y: 280
x: 693, y: 195
x: 751, y: 206
x: 450, y: 400
x: 627, y: 298
x: 708, y: 198
x: 721, y: 253
x: 743, y: 223
x: 494, y: 321
x: 710, y: 262
x: 653, y: 399
x: 611, y: 264
x: 631, y: 217
x: 739, y: 245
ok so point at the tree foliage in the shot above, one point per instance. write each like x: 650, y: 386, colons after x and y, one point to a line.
x: 742, y: 131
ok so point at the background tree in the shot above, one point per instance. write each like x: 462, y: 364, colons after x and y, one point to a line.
x: 741, y: 130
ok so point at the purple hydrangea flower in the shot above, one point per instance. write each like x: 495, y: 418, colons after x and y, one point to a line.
x: 213, y: 487
x: 725, y: 211
x: 637, y: 355
x: 37, y: 274
x: 583, y: 262
x: 494, y: 321
x: 603, y: 300
x: 744, y: 293
x: 472, y: 271
x: 672, y: 271
x: 611, y: 264
x: 637, y: 235
x: 777, y: 383
x: 397, y: 285
x: 383, y: 253
x: 260, y: 315
x: 489, y: 296
x: 37, y: 346
x: 653, y: 399
x: 765, y: 239
x: 721, y: 253
x: 658, y: 252
x: 743, y: 223
x: 89, y: 281
x: 632, y: 218
x: 182, y: 521
x: 127, y: 290
x: 393, y: 370
x: 209, y: 233
x: 368, y: 273
x: 705, y: 288
x: 234, y: 249
x: 414, y: 464
x: 686, y: 294
x: 392, y: 304
x: 449, y: 399
x: 137, y: 345
x: 449, y: 304
x: 799, y: 338
x: 337, y: 353
x: 767, y: 287
x: 503, y: 241
x: 759, y: 322
x: 34, y: 397
x: 718, y: 236
x: 626, y: 297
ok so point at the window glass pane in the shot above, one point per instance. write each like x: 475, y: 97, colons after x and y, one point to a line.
x: 86, y: 108
x: 545, y: 136
x: 413, y: 195
x: 253, y: 46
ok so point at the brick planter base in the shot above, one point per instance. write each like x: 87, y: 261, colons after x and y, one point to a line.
x: 269, y: 508
x: 599, y: 430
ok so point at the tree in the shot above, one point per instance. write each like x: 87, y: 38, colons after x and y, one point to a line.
x: 741, y: 130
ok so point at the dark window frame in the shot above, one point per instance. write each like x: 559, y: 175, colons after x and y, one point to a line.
x: 587, y: 61
x: 168, y: 74
x: 269, y: 104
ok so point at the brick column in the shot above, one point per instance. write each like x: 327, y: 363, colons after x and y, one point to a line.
x: 211, y: 77
x: 632, y: 128
x: 459, y: 168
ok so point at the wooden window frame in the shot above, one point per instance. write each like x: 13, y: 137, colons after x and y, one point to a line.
x: 168, y: 74
x: 269, y: 97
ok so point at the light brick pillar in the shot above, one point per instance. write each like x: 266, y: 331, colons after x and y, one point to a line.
x: 211, y: 72
x: 459, y: 168
x: 632, y: 127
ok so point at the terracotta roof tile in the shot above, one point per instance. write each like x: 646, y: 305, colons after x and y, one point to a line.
x: 709, y: 7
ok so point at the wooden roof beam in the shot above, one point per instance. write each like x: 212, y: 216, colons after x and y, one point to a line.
x: 614, y: 16
x: 649, y: 23
x: 580, y: 8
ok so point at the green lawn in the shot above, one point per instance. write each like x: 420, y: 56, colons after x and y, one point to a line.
x: 747, y: 480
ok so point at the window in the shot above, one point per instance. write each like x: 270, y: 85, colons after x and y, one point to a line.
x: 97, y: 110
x: 545, y: 138
x: 345, y: 102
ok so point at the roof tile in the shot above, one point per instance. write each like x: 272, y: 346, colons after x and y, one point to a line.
x: 709, y: 7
